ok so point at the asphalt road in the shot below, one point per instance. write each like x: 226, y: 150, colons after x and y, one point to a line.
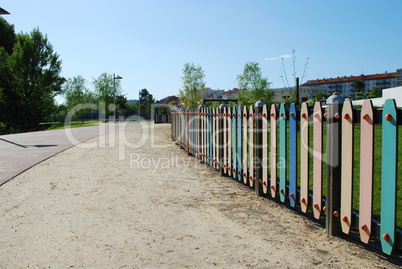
x: 19, y: 152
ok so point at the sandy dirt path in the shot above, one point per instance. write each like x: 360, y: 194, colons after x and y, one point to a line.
x: 153, y: 206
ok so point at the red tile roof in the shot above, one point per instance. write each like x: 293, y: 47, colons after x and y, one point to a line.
x: 168, y: 99
x: 233, y: 91
x: 351, y: 78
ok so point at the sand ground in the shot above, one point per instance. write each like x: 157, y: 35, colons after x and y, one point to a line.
x: 141, y: 202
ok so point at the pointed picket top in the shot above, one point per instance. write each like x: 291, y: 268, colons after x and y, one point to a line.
x: 304, y: 157
x: 273, y: 153
x: 347, y: 167
x: 366, y: 171
x: 389, y: 175
x: 317, y: 160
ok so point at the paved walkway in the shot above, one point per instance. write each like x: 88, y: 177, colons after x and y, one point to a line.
x: 19, y: 152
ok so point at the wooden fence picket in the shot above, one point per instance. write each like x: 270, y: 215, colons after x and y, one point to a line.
x: 282, y: 152
x: 239, y: 144
x: 366, y: 171
x: 234, y: 142
x: 245, y: 145
x: 273, y: 151
x: 265, y: 164
x: 224, y: 131
x: 229, y: 140
x: 389, y: 176
x: 304, y: 158
x: 292, y: 155
x: 347, y: 167
x: 317, y: 160
x: 251, y: 147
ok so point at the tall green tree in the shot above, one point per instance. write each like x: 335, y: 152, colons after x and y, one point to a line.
x: 33, y: 74
x: 146, y: 101
x: 358, y: 87
x: 193, y: 82
x: 253, y: 86
x: 7, y: 36
x: 106, y: 88
x: 76, y: 93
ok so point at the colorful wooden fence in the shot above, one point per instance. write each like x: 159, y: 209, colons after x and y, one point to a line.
x: 280, y: 153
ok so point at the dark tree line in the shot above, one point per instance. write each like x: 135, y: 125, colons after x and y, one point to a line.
x: 29, y: 78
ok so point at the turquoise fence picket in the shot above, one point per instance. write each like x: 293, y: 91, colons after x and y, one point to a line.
x: 389, y: 175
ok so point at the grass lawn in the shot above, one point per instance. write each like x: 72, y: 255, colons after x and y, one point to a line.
x: 73, y: 124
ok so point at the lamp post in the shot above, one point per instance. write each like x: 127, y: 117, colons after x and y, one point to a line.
x: 114, y: 94
x: 3, y: 12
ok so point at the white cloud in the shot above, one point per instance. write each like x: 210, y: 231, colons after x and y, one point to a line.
x: 270, y: 59
x: 285, y: 56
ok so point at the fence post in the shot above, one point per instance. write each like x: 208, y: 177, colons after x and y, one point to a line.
x: 257, y: 158
x: 221, y: 133
x: 334, y: 107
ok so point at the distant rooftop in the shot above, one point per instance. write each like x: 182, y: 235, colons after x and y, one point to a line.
x: 350, y: 78
x: 233, y: 91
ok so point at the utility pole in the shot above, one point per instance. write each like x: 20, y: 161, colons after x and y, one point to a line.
x: 297, y: 91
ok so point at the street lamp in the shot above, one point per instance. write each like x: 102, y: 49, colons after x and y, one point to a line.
x: 114, y: 93
x: 3, y: 12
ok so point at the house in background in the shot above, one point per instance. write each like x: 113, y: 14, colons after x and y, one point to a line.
x: 211, y: 94
x: 231, y: 94
x: 169, y: 99
x: 305, y: 93
x: 399, y: 77
x: 343, y: 85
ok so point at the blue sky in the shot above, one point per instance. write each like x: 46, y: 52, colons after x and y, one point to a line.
x: 147, y: 42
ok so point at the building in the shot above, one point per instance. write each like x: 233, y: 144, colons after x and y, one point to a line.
x: 305, y: 93
x: 231, y: 94
x: 208, y: 93
x: 343, y: 85
x: 399, y: 77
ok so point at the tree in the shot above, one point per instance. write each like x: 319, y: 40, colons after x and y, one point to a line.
x: 374, y: 92
x: 290, y: 98
x: 146, y: 101
x: 7, y: 36
x: 106, y: 88
x: 193, y: 81
x: 77, y: 93
x: 358, y: 87
x: 253, y: 86
x: 33, y: 74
